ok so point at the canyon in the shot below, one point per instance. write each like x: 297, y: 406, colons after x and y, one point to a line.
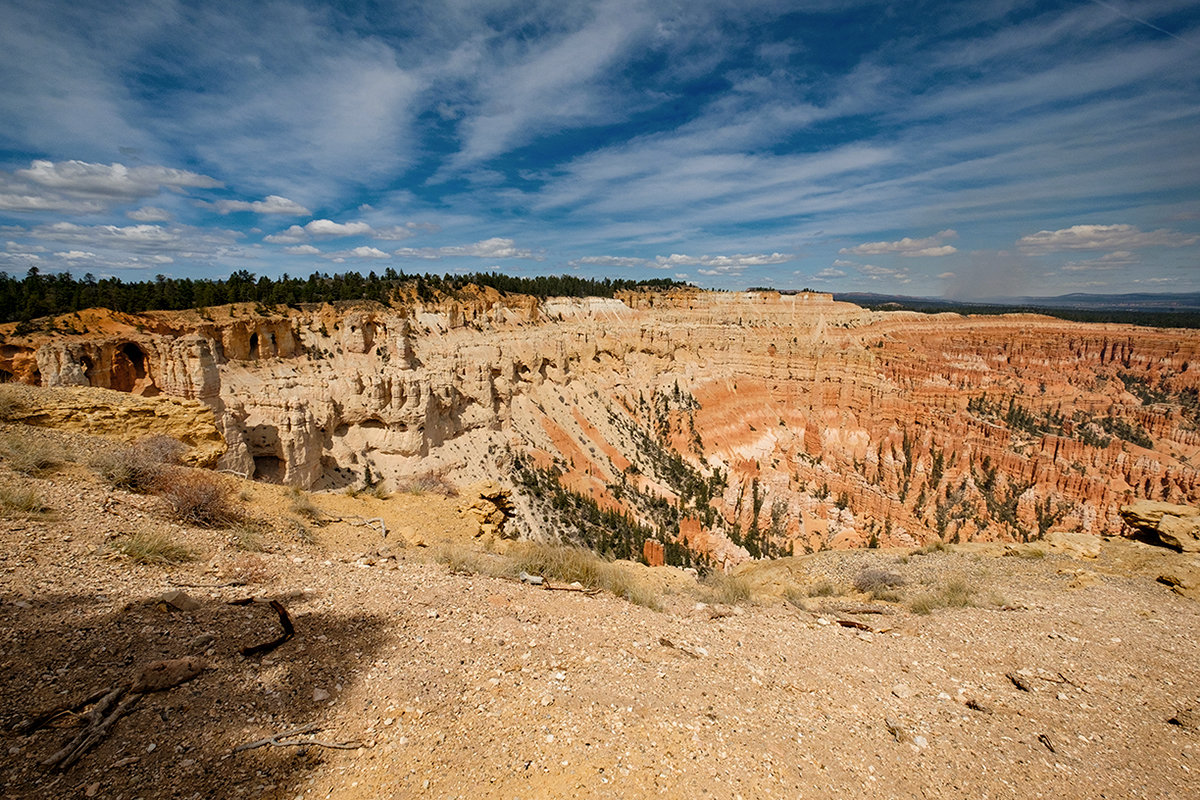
x: 686, y: 427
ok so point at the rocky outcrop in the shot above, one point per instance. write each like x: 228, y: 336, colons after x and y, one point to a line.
x: 120, y: 416
x: 491, y: 506
x: 1168, y: 524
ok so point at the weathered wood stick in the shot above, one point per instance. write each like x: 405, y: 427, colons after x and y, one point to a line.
x: 94, y: 717
x: 310, y: 727
x: 288, y: 632
x: 100, y: 731
x: 26, y: 727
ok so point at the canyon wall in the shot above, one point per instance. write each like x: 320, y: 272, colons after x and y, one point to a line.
x: 723, y: 426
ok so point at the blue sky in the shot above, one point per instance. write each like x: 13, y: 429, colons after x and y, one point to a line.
x: 978, y: 149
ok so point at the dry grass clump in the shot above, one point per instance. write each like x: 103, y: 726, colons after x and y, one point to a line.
x: 17, y: 500
x: 571, y: 564
x: 955, y: 593
x: 936, y: 546
x: 28, y: 454
x: 139, y: 466
x: 11, y: 403
x: 557, y: 563
x: 302, y: 504
x: 428, y: 483
x: 822, y: 589
x: 466, y: 560
x: 197, y: 497
x: 245, y: 569
x: 720, y: 587
x: 146, y: 547
x: 249, y: 536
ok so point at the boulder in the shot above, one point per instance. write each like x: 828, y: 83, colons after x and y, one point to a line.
x: 1168, y: 524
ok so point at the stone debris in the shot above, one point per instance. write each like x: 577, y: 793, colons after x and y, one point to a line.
x: 491, y: 504
x: 176, y: 600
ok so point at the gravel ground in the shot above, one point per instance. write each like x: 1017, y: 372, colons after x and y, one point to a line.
x: 472, y: 686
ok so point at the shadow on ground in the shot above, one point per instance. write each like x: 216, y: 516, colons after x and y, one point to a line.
x: 176, y: 743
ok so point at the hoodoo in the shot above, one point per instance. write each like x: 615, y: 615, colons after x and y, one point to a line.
x: 718, y: 426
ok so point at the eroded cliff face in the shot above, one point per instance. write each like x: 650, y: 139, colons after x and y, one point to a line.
x: 730, y: 425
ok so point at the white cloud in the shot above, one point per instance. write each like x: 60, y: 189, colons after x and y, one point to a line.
x: 69, y: 232
x: 21, y: 247
x: 138, y: 246
x: 327, y: 227
x: 273, y: 204
x: 292, y: 235
x: 149, y: 214
x: 81, y: 179
x: 931, y: 246
x: 830, y: 272
x: 1101, y: 237
x: 948, y: 276
x: 75, y: 255
x: 724, y: 264
x: 495, y: 247
x: 83, y: 188
x: 1113, y: 260
x: 359, y: 252
x: 608, y: 261
x: 302, y: 250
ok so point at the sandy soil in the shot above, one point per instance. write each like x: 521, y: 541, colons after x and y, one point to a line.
x: 471, y: 686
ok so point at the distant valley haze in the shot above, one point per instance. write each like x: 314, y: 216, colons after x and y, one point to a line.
x: 998, y: 149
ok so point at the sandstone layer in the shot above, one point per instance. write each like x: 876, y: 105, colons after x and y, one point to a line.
x: 728, y: 425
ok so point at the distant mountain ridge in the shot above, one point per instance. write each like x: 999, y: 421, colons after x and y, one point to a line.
x: 1134, y: 301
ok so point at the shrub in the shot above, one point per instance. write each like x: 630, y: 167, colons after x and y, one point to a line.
x: 18, y: 500
x: 139, y: 466
x: 28, y: 454
x: 936, y: 546
x: 870, y: 581
x: 431, y: 482
x: 197, y: 497
x: 151, y: 548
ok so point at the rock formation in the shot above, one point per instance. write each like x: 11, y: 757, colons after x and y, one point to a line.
x: 728, y: 425
x: 1168, y: 524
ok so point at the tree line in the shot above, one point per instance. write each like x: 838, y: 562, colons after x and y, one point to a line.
x: 37, y: 295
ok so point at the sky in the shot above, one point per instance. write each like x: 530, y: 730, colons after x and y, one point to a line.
x: 965, y: 150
